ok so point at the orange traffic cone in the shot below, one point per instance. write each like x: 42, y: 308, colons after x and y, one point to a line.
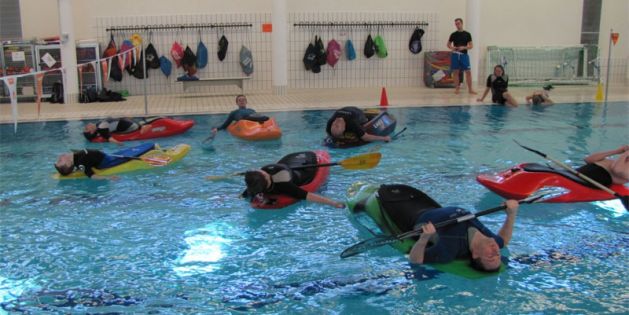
x: 384, y: 101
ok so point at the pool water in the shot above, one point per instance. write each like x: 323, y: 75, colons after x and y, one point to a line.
x: 170, y: 241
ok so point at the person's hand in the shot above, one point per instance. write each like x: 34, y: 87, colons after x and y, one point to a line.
x: 339, y: 205
x: 512, y: 207
x: 214, y: 130
x: 479, y: 99
x: 114, y: 177
x: 428, y: 230
x: 623, y: 148
x: 386, y: 139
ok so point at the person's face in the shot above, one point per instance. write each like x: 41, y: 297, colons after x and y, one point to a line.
x: 241, y: 101
x: 490, y: 254
x: 458, y: 24
x: 498, y: 71
x: 338, y: 127
x: 91, y: 128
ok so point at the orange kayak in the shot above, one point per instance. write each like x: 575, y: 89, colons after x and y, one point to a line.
x: 253, y: 130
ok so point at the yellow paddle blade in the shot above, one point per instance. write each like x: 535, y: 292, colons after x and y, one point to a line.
x: 223, y: 177
x: 362, y: 162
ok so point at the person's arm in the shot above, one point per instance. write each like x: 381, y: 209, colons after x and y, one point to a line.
x: 113, y: 140
x: 320, y: 199
x: 228, y: 121
x: 597, y: 156
x: 546, y: 100
x: 480, y: 99
x: 506, y: 231
x: 370, y: 138
x: 620, y: 167
x: 469, y: 45
x: 416, y: 255
x: 450, y: 43
x: 529, y: 99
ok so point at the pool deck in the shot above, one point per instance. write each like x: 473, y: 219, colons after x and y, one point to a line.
x: 304, y: 99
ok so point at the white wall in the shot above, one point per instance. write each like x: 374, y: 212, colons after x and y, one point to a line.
x: 502, y: 22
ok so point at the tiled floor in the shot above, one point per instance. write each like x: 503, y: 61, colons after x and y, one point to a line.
x: 198, y: 103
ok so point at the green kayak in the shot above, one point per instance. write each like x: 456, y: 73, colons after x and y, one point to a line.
x: 363, y: 199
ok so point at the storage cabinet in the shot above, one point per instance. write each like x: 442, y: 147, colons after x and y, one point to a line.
x: 49, y: 57
x: 17, y: 58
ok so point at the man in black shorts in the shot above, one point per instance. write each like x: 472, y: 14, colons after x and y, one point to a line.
x: 608, y: 171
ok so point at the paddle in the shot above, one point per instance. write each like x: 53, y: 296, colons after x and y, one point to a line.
x: 358, y: 162
x: 154, y: 161
x: 210, y: 138
x: 398, y: 134
x: 623, y: 199
x: 381, y: 240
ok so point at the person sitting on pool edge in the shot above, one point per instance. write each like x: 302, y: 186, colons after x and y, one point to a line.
x: 607, y: 171
x: 241, y: 113
x: 467, y: 239
x: 540, y: 97
x: 106, y: 127
x: 279, y: 179
x: 498, y: 83
x: 348, y: 123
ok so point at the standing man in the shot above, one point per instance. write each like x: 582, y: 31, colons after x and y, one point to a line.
x: 459, y: 42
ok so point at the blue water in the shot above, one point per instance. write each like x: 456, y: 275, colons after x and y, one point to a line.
x: 169, y: 241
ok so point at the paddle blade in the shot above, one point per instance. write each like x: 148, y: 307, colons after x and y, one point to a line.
x: 544, y: 194
x: 625, y: 202
x: 157, y: 160
x: 362, y: 162
x: 395, y: 136
x: 368, y: 244
x: 223, y: 177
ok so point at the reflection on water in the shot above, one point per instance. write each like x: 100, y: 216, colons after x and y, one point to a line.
x: 206, y: 247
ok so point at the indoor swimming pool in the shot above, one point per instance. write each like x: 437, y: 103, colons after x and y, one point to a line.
x: 169, y: 241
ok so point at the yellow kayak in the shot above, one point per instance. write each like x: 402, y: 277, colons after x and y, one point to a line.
x: 144, y: 162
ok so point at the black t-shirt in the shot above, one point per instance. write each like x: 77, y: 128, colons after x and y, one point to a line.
x: 283, y: 182
x: 354, y: 119
x: 460, y: 39
x: 86, y: 159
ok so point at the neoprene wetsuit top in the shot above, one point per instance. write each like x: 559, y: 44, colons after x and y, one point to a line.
x: 236, y: 115
x: 87, y: 159
x: 354, y: 120
x: 452, y: 241
x: 282, y: 182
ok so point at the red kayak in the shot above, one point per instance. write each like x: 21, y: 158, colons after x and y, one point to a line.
x: 160, y: 127
x: 522, y: 180
x: 313, y: 178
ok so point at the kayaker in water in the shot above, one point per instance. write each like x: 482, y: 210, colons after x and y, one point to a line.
x: 84, y: 160
x: 348, y: 123
x: 278, y: 179
x: 106, y: 127
x: 88, y: 159
x: 607, y: 171
x: 241, y: 113
x: 467, y: 239
x: 540, y: 97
